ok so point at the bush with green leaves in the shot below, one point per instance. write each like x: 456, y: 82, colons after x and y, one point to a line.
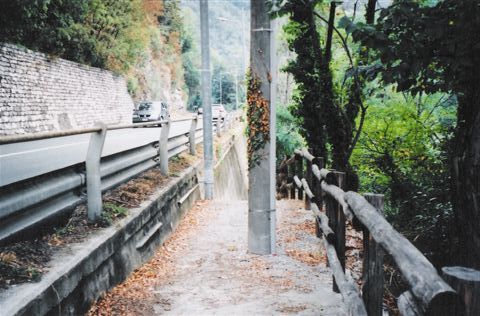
x: 288, y: 133
x: 433, y: 46
x: 404, y: 153
x: 118, y: 35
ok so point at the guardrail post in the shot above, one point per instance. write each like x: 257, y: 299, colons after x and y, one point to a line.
x: 163, y: 148
x: 299, y: 173
x: 309, y: 178
x: 191, y: 135
x: 94, y: 182
x: 317, y: 191
x: 291, y: 174
x: 372, y: 288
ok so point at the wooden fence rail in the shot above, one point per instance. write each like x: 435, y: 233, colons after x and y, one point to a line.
x: 428, y: 293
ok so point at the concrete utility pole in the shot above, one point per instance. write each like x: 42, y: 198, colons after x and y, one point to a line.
x: 207, y: 102
x: 273, y: 133
x: 261, y: 200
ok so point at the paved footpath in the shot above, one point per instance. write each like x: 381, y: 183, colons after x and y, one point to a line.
x: 208, y: 271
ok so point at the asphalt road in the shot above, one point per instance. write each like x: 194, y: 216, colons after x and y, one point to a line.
x: 24, y: 160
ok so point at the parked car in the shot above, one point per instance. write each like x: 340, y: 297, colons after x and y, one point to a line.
x: 218, y: 112
x: 151, y: 111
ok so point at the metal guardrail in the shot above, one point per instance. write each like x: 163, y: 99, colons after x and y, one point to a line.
x: 36, y: 198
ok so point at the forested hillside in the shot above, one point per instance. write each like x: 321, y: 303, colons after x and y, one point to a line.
x: 139, y: 39
x: 229, y: 26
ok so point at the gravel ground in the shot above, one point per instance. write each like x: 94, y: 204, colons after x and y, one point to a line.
x: 205, y: 269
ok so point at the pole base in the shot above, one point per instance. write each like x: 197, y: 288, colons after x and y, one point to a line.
x: 259, y: 236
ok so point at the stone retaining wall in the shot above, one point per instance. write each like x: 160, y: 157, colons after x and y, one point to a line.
x: 39, y: 93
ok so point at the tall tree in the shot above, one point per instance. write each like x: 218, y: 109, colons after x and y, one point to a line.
x: 304, y: 40
x: 437, y: 48
x: 325, y: 119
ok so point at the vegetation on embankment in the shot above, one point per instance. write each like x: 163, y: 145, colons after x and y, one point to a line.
x: 153, y: 43
x: 139, y: 39
x: 387, y: 94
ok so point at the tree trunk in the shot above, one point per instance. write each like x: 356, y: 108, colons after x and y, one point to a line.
x: 370, y: 12
x: 466, y: 175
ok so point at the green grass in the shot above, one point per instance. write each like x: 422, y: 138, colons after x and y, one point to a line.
x: 111, y: 212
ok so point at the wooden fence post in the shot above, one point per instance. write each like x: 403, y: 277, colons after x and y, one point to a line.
x: 466, y: 282
x: 284, y: 191
x: 308, y: 177
x: 291, y: 174
x: 340, y: 222
x: 336, y: 219
x: 317, y: 191
x: 299, y: 173
x: 372, y: 288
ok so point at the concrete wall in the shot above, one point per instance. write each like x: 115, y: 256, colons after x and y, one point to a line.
x: 230, y: 174
x: 38, y: 93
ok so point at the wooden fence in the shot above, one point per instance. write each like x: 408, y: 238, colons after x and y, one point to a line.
x: 304, y: 177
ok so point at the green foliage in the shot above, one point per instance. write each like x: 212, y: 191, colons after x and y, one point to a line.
x: 326, y: 101
x: 93, y: 32
x: 229, y: 38
x: 423, y: 46
x: 111, y: 212
x: 118, y: 35
x: 170, y: 20
x: 288, y: 133
x: 132, y: 85
x: 47, y: 26
x: 402, y: 131
x: 403, y: 153
x: 433, y: 53
x: 309, y: 73
x: 406, y: 143
x: 223, y: 86
x: 190, y: 56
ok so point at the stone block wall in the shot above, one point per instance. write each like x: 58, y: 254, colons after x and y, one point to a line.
x: 38, y: 93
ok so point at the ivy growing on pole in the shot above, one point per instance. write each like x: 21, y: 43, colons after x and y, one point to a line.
x: 258, y: 121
